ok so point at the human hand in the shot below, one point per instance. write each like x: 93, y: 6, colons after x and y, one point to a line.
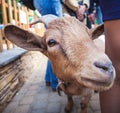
x: 92, y: 17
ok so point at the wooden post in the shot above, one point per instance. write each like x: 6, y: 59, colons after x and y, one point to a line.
x: 10, y: 11
x: 15, y: 11
x: 4, y: 16
x: 1, y: 42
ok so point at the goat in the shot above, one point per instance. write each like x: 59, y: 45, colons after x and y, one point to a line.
x: 79, y: 64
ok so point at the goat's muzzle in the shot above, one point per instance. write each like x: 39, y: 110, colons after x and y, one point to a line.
x: 103, y: 77
x: 106, y: 68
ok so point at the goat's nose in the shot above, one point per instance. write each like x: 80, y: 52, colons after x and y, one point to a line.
x: 105, y: 68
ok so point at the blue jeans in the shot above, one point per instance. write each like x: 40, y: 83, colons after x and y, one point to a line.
x: 48, y: 7
x: 99, y: 15
x: 50, y: 76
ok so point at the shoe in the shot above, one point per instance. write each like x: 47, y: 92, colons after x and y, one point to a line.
x: 47, y: 83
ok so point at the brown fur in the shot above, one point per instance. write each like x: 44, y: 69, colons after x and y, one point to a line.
x: 75, y: 58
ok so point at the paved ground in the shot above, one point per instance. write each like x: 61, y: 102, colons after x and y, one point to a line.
x: 35, y: 97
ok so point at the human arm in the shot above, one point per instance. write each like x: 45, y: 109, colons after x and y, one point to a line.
x: 78, y: 7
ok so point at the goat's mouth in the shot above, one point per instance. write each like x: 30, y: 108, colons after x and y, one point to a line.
x: 96, y: 82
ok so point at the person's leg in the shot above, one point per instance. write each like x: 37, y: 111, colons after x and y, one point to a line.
x: 56, y: 8
x: 50, y: 77
x: 53, y: 78
x: 88, y: 23
x: 48, y: 7
x: 43, y: 6
x: 110, y: 100
x: 47, y: 74
x: 53, y: 81
x: 99, y: 15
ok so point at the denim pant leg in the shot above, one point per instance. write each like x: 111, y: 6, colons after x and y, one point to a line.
x: 53, y: 80
x: 47, y: 75
x: 50, y: 76
x: 48, y: 7
x: 43, y: 6
x: 99, y: 15
x: 56, y: 8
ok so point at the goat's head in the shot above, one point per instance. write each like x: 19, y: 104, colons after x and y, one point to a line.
x: 69, y: 45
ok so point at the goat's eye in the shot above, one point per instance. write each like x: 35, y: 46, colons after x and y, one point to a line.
x: 52, y: 42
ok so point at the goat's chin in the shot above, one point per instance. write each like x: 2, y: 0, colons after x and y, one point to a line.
x: 96, y: 84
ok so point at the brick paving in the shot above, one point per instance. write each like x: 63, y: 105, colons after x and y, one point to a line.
x: 35, y: 97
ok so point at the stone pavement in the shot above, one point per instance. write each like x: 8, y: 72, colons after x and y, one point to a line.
x: 35, y: 97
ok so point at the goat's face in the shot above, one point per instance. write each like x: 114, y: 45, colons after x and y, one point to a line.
x: 69, y: 46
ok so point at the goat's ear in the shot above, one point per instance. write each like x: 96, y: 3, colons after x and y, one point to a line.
x: 97, y: 31
x: 24, y: 38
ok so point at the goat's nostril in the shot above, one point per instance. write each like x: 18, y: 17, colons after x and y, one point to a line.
x: 107, y: 69
x: 104, y: 66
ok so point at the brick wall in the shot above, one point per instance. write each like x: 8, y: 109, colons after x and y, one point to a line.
x: 14, y: 74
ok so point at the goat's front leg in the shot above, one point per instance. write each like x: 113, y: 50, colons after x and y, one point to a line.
x: 85, y: 102
x: 69, y: 105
